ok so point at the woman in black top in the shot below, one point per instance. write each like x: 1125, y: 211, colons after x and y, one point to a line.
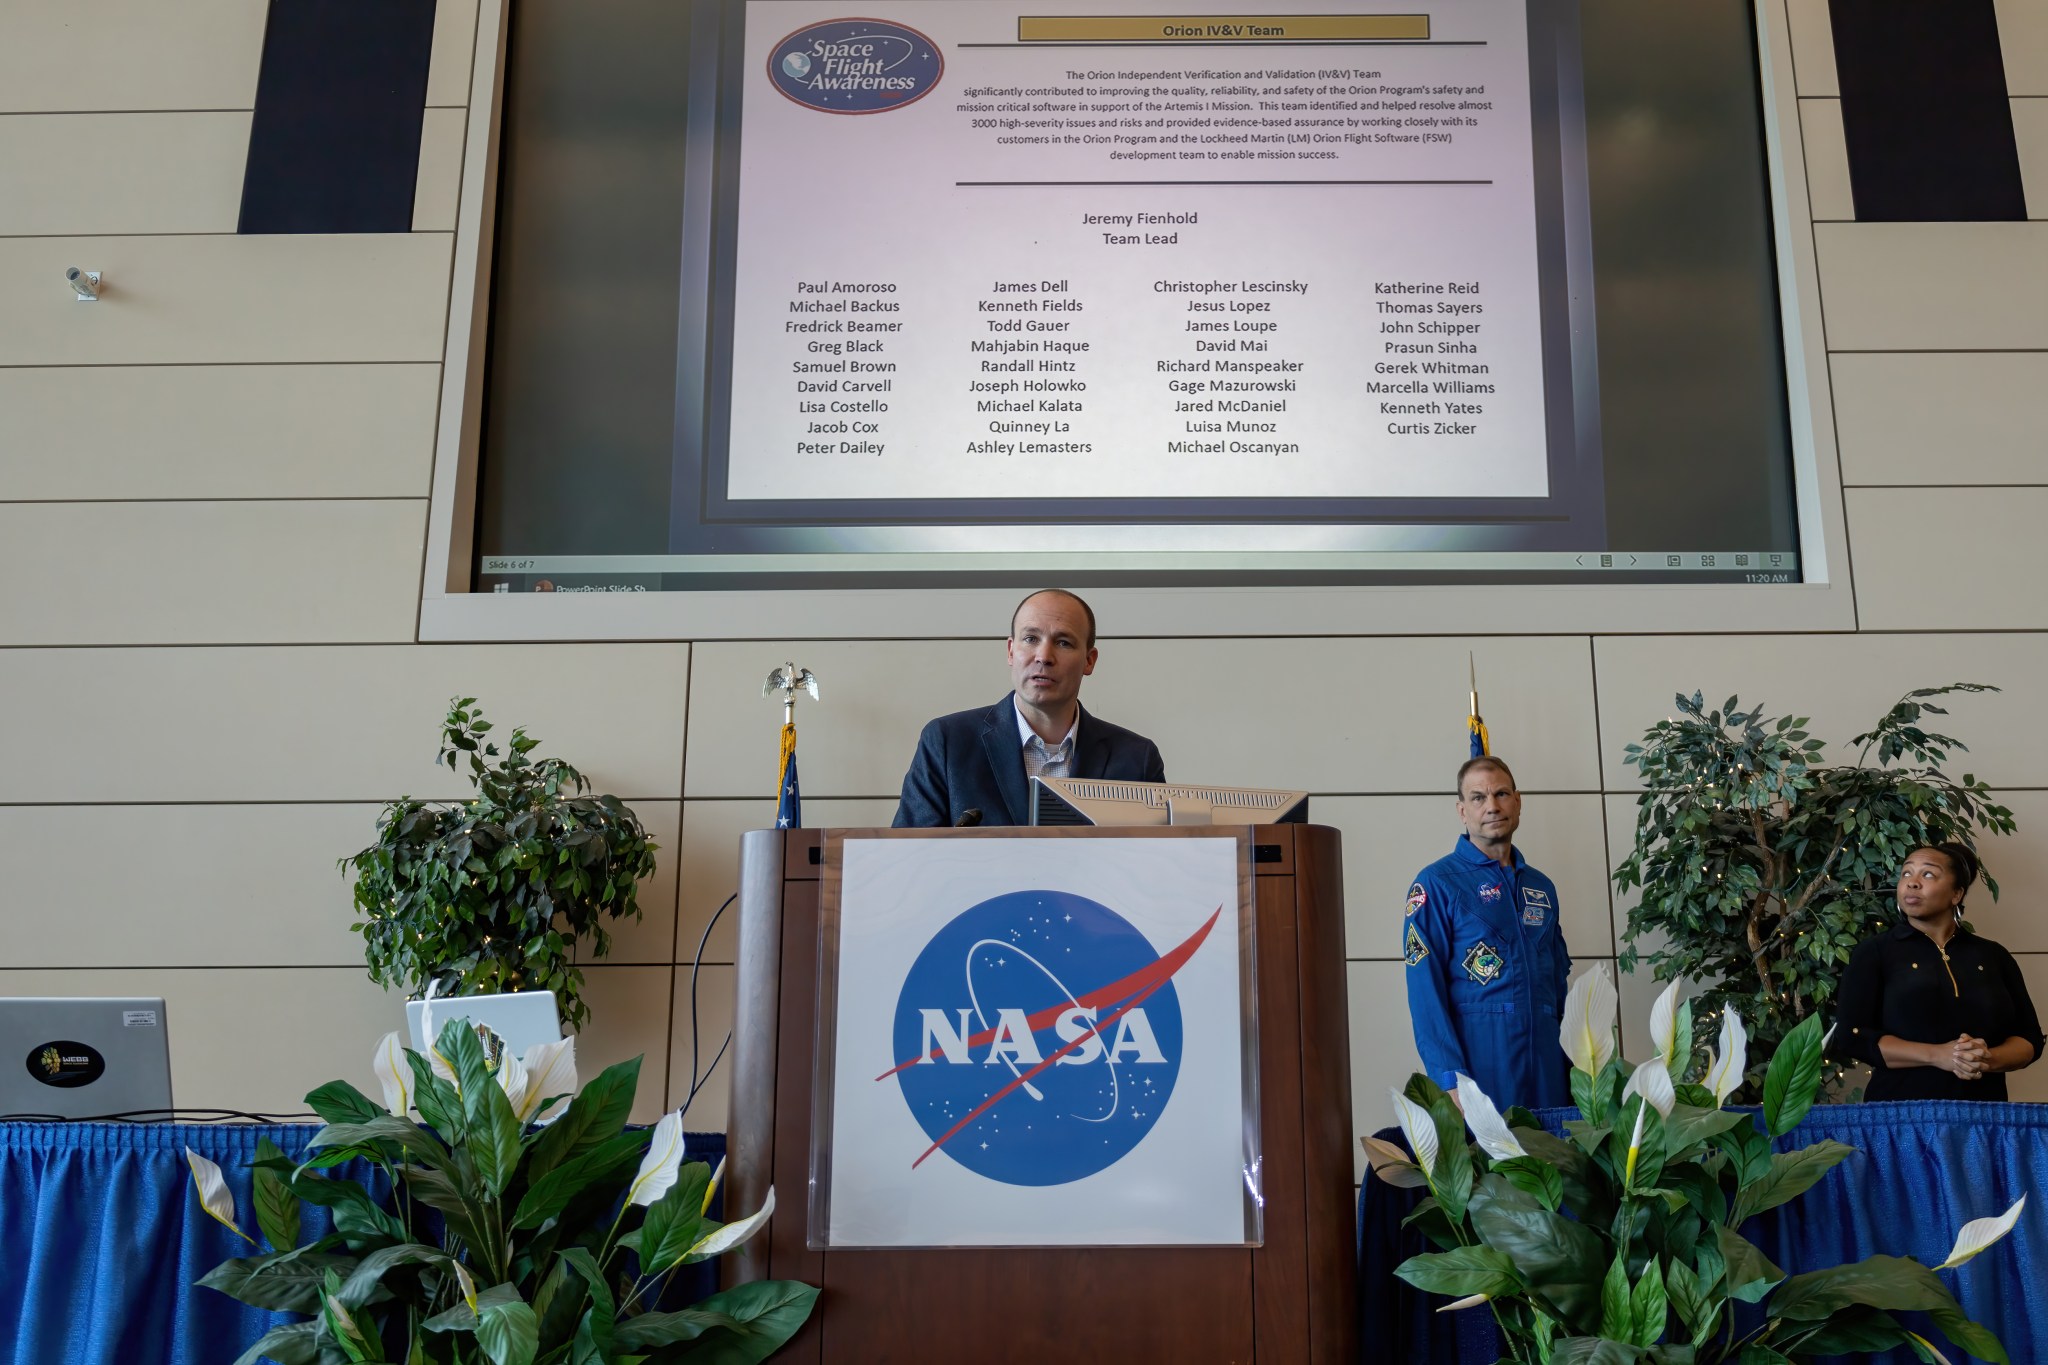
x: 1938, y: 1012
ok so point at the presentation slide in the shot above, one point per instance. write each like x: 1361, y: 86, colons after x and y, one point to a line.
x: 1228, y: 256
x: 991, y: 292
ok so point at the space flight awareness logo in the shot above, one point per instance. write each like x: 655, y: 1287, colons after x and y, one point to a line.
x: 855, y: 66
x: 1038, y: 1037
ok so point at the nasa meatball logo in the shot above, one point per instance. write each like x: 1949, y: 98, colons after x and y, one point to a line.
x: 1038, y: 1037
x: 855, y: 66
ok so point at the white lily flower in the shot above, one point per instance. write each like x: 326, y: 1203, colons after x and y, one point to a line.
x: 512, y: 1080
x: 1652, y: 1081
x: 1418, y: 1127
x: 1979, y: 1233
x: 442, y: 1067
x: 393, y: 1073
x: 711, y: 1188
x: 1726, y: 1064
x: 1929, y: 1347
x: 1469, y: 1301
x: 1828, y: 1037
x: 664, y: 1158
x: 1587, y: 1033
x: 1664, y: 1024
x: 1635, y: 1145
x: 550, y: 1070
x: 732, y: 1234
x: 214, y: 1195
x: 1392, y: 1165
x: 1481, y: 1115
x: 468, y: 1283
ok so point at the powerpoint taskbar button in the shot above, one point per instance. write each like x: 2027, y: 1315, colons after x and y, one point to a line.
x: 1221, y: 28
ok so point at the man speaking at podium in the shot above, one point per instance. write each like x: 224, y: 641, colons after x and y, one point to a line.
x: 974, y: 767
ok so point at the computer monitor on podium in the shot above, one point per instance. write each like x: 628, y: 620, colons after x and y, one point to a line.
x: 1096, y: 801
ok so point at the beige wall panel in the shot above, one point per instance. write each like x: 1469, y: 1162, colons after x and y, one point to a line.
x: 2023, y: 42
x: 217, y: 431
x: 1813, y: 47
x: 448, y: 69
x: 1846, y: 683
x: 129, y: 54
x: 326, y: 724
x: 66, y: 174
x: 194, y: 300
x: 2030, y: 130
x: 652, y: 937
x: 249, y: 1038
x: 2031, y: 1085
x: 1827, y: 160
x: 183, y: 886
x: 709, y: 1112
x: 1949, y: 558
x: 210, y: 572
x: 1372, y: 715
x: 2019, y: 917
x: 1387, y: 839
x: 711, y: 858
x: 440, y: 174
x: 629, y: 1009
x: 1934, y: 286
x: 1930, y: 419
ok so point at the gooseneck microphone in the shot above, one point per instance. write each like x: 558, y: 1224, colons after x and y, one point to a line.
x: 968, y: 818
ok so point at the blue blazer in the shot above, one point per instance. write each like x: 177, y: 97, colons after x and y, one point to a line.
x: 972, y: 760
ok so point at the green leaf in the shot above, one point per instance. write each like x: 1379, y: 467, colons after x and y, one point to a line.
x: 597, y: 1329
x: 1647, y: 1305
x: 436, y: 1100
x: 768, y: 1313
x: 1888, y: 1282
x: 363, y: 1284
x: 509, y: 1333
x: 358, y: 1217
x: 460, y: 1319
x: 1979, y: 1341
x: 440, y: 1190
x: 1688, y: 1125
x: 1595, y: 1351
x: 340, y: 1102
x: 652, y: 1330
x: 493, y: 1134
x: 673, y: 1220
x: 1852, y: 1329
x: 1758, y: 1354
x: 1750, y: 1273
x: 1791, y: 1174
x: 597, y: 1114
x: 1682, y: 1287
x: 277, y: 1208
x: 1560, y: 1260
x: 1460, y: 1272
x: 1793, y: 1077
x: 1617, y: 1319
x: 292, y: 1286
x: 294, y: 1344
x: 1534, y: 1177
x: 551, y: 1193
x: 406, y: 1136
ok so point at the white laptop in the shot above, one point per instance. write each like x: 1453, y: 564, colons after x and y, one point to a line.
x: 519, y: 1018
x: 84, y: 1057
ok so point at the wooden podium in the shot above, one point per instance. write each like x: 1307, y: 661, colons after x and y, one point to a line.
x: 1290, y: 1299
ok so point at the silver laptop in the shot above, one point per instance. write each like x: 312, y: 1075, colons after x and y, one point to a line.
x: 518, y: 1018
x: 84, y: 1057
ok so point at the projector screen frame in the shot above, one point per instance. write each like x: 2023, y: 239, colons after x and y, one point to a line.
x: 451, y: 611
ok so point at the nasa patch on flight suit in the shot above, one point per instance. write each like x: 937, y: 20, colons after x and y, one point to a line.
x: 1417, y: 898
x: 1490, y: 892
x: 1535, y: 905
x: 1484, y: 963
x: 1417, y: 950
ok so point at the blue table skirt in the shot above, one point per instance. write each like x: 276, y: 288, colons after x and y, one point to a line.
x: 1921, y: 1170
x: 102, y: 1240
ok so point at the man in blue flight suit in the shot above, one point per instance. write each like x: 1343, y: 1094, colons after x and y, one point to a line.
x: 1486, y: 956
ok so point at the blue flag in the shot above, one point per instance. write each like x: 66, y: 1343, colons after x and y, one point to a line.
x: 788, y: 802
x: 1477, y: 727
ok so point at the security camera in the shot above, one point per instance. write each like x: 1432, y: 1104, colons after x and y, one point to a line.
x: 84, y: 283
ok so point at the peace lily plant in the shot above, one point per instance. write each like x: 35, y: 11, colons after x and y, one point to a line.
x: 509, y: 1227
x: 1621, y: 1243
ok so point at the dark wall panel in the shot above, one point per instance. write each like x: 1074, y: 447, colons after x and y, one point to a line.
x: 1925, y: 112
x: 335, y: 145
